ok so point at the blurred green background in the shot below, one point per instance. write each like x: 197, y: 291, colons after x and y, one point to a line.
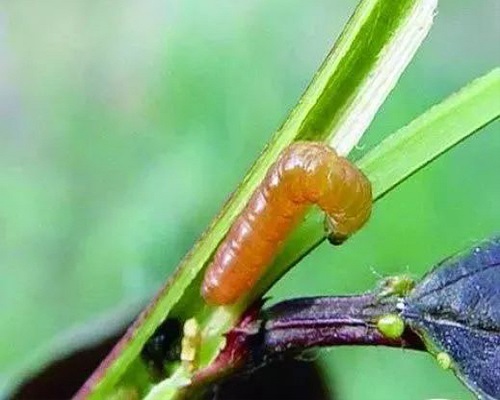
x: 125, y: 125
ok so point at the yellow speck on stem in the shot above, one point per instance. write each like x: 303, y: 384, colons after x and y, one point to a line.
x: 190, y: 344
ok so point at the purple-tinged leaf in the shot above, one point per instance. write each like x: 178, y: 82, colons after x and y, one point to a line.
x: 456, y: 309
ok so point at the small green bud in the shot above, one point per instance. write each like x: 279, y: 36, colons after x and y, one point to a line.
x: 391, y: 326
x: 400, y: 285
x: 444, y: 360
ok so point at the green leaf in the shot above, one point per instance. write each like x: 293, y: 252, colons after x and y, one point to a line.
x: 434, y: 132
x: 404, y: 153
x: 365, y: 64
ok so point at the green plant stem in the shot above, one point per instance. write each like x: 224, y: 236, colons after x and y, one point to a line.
x: 366, y: 62
x: 405, y: 152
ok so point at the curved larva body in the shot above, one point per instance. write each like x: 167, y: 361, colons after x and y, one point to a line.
x: 306, y: 173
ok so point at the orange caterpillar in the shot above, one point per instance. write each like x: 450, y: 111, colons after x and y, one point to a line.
x: 306, y: 173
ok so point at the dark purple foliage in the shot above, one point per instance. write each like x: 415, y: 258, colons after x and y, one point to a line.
x: 457, y: 308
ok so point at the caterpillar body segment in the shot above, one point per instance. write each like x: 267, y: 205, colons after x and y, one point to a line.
x: 305, y: 174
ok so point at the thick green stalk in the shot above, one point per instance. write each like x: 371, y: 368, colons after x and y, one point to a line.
x: 366, y: 62
x: 405, y: 152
